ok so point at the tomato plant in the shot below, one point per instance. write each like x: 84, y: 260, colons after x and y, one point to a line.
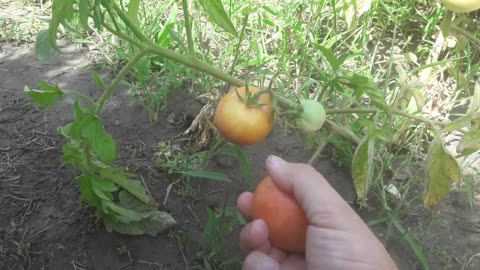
x: 241, y: 122
x: 286, y: 220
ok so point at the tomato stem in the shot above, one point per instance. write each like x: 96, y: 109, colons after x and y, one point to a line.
x: 432, y: 123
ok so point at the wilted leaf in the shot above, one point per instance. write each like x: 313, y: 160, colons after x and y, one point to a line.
x: 362, y: 166
x: 155, y: 221
x: 216, y: 11
x: 442, y: 169
x: 158, y: 222
x: 103, y: 189
x: 45, y: 97
x: 124, y: 180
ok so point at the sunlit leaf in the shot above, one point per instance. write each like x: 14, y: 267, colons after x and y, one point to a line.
x: 362, y: 166
x: 442, y: 169
x: 216, y: 12
x: 471, y: 139
x: 475, y: 104
x: 132, y: 11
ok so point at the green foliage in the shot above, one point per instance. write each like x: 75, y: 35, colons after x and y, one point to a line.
x: 216, y: 11
x: 46, y: 97
x: 120, y: 201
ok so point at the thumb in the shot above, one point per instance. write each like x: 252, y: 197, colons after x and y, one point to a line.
x: 323, y: 206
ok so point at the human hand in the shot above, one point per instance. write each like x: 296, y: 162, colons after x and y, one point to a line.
x: 337, y: 238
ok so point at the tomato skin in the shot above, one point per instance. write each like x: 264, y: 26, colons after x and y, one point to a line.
x: 312, y: 117
x: 286, y: 221
x: 241, y: 124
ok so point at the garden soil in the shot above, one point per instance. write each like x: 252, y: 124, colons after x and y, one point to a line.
x: 43, y: 224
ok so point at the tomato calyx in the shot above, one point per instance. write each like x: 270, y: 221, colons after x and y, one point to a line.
x: 251, y: 100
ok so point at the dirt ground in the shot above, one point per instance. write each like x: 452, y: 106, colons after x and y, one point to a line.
x: 43, y: 225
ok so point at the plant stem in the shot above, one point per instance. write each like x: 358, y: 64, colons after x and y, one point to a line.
x: 123, y: 36
x: 109, y: 90
x: 286, y: 101
x: 188, y: 28
x: 467, y: 34
x: 80, y: 95
x: 317, y: 152
x: 188, y: 61
x: 397, y: 112
x: 132, y: 26
x: 240, y: 40
x: 195, y: 64
x: 342, y: 131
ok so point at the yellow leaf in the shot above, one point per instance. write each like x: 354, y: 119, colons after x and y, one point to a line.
x: 442, y: 170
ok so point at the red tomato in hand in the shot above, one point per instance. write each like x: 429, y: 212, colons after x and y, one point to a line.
x: 241, y: 124
x: 286, y: 221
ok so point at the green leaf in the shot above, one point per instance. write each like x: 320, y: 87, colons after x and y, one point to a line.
x: 362, y: 166
x: 98, y: 17
x: 45, y: 97
x: 475, y: 104
x: 122, y: 179
x: 155, y: 222
x: 206, y: 174
x: 91, y: 130
x: 216, y: 11
x: 235, y: 151
x: 442, y: 169
x: 97, y: 79
x: 158, y: 222
x: 86, y: 190
x: 122, y: 214
x: 43, y: 49
x: 83, y: 12
x: 162, y: 38
x: 61, y: 10
x: 331, y: 59
x: 103, y: 189
x: 132, y: 11
x: 73, y: 155
x: 361, y: 84
x: 458, y: 123
x: 471, y: 139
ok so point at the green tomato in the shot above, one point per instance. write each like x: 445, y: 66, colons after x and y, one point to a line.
x: 312, y: 117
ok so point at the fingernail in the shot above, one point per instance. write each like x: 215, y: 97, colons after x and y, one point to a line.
x: 275, y: 161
